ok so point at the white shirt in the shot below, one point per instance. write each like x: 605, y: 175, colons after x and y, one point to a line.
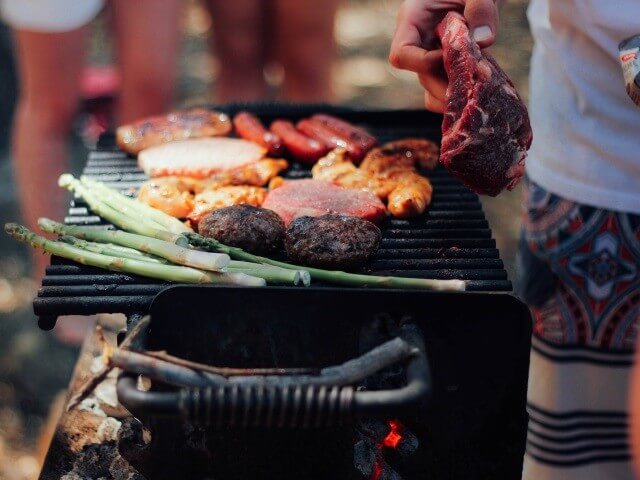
x: 586, y: 130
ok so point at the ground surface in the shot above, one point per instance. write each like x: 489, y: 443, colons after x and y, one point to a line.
x: 34, y: 367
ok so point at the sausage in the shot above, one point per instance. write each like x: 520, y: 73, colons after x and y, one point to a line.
x: 349, y: 133
x: 320, y: 132
x: 303, y: 148
x: 249, y: 127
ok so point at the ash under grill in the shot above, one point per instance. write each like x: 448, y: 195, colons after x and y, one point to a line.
x: 452, y: 240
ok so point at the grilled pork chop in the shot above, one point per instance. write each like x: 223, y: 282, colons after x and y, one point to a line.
x: 199, y: 158
x: 194, y: 123
x: 296, y: 198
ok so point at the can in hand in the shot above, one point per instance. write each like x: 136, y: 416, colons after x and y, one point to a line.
x: 630, y: 60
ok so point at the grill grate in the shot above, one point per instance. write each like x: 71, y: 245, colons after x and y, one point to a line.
x: 452, y: 240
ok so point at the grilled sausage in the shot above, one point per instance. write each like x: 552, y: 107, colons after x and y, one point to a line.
x: 181, y: 125
x: 249, y: 127
x: 332, y: 139
x: 360, y: 139
x: 303, y: 148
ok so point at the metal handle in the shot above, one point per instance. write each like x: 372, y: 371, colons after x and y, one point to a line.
x: 290, y: 401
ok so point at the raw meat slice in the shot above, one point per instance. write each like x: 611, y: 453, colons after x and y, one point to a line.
x: 485, y: 131
x: 199, y: 158
x: 313, y: 198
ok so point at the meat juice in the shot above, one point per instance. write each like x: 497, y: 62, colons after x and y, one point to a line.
x: 630, y: 60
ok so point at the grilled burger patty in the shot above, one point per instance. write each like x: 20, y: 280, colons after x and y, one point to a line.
x: 332, y: 241
x: 256, y: 230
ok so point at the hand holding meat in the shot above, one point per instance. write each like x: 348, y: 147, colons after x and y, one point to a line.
x: 486, y: 131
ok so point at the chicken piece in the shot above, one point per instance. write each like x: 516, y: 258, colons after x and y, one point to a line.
x: 257, y: 174
x: 411, y: 196
x: 337, y: 168
x: 424, y: 153
x: 172, y: 195
x: 213, y: 199
x: 401, y: 155
x: 276, y: 182
x: 151, y: 131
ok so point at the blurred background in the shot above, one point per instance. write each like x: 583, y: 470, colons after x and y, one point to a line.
x: 34, y: 366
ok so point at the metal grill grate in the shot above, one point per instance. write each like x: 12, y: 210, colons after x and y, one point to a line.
x: 452, y: 240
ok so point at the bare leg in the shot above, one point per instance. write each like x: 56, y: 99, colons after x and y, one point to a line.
x: 305, y: 47
x: 148, y: 39
x: 238, y: 27
x: 49, y: 66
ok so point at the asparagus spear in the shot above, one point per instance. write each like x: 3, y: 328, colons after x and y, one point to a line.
x: 271, y: 274
x: 111, y: 250
x: 331, y: 276
x: 128, y: 205
x: 137, y: 224
x: 147, y: 269
x: 170, y: 251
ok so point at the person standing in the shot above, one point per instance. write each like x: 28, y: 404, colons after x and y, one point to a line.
x: 580, y: 250
x: 51, y: 41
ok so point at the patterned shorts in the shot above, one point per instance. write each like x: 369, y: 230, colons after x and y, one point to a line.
x: 579, y: 270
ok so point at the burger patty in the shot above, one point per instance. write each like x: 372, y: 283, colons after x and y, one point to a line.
x: 256, y: 230
x: 332, y: 241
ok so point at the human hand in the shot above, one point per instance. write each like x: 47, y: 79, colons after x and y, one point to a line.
x: 415, y: 46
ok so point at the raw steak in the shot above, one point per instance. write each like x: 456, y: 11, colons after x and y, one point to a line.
x: 485, y: 131
x: 313, y: 198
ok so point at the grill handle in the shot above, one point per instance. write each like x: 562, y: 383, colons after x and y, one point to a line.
x: 292, y: 404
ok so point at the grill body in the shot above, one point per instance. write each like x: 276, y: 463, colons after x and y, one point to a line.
x: 477, y: 342
x: 474, y: 426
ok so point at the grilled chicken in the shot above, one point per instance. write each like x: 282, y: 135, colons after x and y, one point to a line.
x: 257, y: 174
x: 422, y: 152
x: 389, y: 172
x: 210, y: 200
x: 194, y: 123
x: 172, y: 195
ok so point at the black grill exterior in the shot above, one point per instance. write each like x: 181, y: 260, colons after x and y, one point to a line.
x: 452, y: 240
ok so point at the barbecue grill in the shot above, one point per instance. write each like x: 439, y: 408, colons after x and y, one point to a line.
x: 470, y: 349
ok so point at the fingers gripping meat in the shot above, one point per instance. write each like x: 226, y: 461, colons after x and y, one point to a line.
x: 302, y: 147
x: 181, y: 125
x: 249, y: 127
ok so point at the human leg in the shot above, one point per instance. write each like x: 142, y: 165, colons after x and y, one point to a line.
x: 305, y: 47
x: 49, y: 66
x: 238, y: 31
x: 147, y: 37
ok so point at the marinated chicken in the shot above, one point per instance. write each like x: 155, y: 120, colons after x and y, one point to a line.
x: 257, y: 174
x: 172, y: 195
x: 210, y: 200
x: 388, y: 171
x: 152, y: 131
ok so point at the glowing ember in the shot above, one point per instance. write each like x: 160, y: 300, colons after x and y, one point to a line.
x: 392, y: 440
x: 394, y: 437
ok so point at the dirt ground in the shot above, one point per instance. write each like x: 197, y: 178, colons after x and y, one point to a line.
x: 34, y: 367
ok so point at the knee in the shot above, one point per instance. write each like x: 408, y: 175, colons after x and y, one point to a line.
x: 47, y: 115
x: 147, y: 90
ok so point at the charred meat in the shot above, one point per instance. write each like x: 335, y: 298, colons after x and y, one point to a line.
x: 332, y: 241
x: 256, y: 230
